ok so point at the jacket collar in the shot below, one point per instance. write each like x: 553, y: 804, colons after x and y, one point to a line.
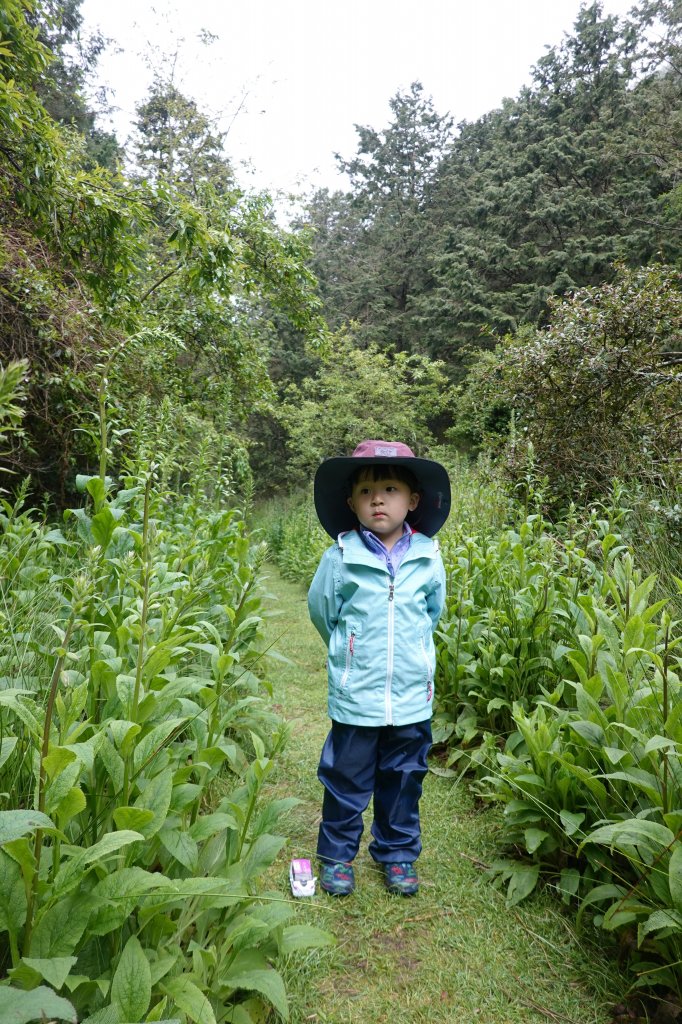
x: 355, y: 551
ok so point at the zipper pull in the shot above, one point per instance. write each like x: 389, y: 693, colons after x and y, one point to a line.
x: 391, y: 588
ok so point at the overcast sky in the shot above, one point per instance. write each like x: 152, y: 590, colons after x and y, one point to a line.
x: 291, y: 78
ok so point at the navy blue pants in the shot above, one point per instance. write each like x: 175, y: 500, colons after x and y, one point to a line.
x: 359, y: 761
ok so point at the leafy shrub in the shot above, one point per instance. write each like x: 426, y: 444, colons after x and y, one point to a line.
x: 135, y: 743
x: 560, y: 682
x: 294, y: 537
x: 597, y: 392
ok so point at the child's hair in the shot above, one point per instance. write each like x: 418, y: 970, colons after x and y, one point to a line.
x: 381, y: 471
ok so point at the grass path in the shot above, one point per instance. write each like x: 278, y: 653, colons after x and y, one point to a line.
x: 452, y: 954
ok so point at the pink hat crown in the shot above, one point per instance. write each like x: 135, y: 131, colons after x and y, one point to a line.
x: 382, y: 450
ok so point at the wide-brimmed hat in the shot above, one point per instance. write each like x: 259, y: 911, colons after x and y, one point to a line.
x: 331, y: 490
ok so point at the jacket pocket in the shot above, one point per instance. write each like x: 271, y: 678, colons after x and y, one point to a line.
x: 349, y: 655
x: 429, y: 669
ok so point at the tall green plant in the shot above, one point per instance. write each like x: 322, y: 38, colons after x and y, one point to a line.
x: 135, y: 747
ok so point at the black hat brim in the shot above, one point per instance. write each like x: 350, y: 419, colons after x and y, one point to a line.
x: 331, y: 492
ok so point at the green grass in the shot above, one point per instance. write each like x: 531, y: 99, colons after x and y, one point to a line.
x: 454, y: 953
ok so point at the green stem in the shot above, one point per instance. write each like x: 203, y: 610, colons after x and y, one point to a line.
x: 145, y: 581
x: 664, y: 793
x: 38, y: 845
x: 103, y: 437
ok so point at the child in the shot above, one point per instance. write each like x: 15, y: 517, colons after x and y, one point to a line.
x: 375, y: 599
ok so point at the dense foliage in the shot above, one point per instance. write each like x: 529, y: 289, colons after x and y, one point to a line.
x: 560, y: 679
x: 152, y: 284
x: 597, y: 392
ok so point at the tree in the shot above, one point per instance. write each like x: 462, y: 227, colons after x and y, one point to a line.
x: 144, y: 291
x: 176, y: 143
x: 545, y: 194
x: 61, y: 86
x: 373, y: 242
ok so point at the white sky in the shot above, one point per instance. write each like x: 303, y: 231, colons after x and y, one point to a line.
x: 291, y: 78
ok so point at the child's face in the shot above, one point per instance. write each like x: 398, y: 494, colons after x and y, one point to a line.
x: 382, y: 505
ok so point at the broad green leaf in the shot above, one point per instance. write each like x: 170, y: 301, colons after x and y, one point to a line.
x: 250, y: 970
x: 615, y: 754
x: 245, y: 932
x: 571, y: 821
x: 523, y: 880
x: 159, y: 968
x: 135, y: 818
x: 71, y: 872
x: 606, y: 891
x: 674, y: 821
x: 253, y: 1011
x: 639, y: 779
x: 84, y: 482
x: 534, y: 837
x: 622, y: 913
x: 658, y: 920
x: 72, y: 804
x: 304, y: 936
x: 156, y: 797
x: 622, y: 835
x: 568, y: 884
x: 675, y: 876
x: 19, y: 1007
x: 495, y: 703
x: 210, y: 825
x: 659, y: 743
x: 131, y: 987
x: 113, y: 763
x: 261, y: 855
x: 634, y: 633
x: 124, y: 734
x: 587, y: 779
x: 22, y: 852
x: 125, y: 688
x: 590, y: 732
x: 7, y: 746
x: 63, y: 783
x: 14, y: 824
x: 54, y: 969
x: 103, y: 525
x: 57, y: 760
x: 154, y: 741
x: 60, y: 927
x: 190, y: 999
x: 12, y: 895
x: 117, y: 895
x: 180, y: 846
x: 107, y: 1015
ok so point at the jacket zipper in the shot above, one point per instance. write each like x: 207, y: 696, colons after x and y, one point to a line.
x: 349, y: 658
x: 389, y: 658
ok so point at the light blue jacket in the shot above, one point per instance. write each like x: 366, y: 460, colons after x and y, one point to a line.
x: 379, y: 630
